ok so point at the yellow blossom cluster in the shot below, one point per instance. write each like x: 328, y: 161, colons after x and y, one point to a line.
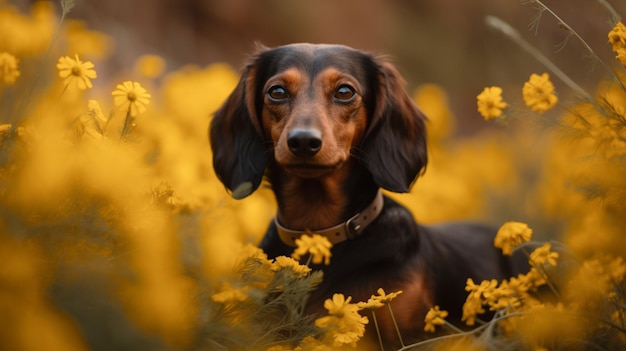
x: 617, y: 39
x: 520, y: 301
x: 261, y: 279
x: 538, y: 94
x: 511, y: 295
x: 344, y: 323
x: 580, y: 301
x: 9, y: 70
x: 543, y: 255
x: 434, y: 317
x: 510, y: 235
x: 317, y: 246
x: 265, y: 271
x: 490, y: 103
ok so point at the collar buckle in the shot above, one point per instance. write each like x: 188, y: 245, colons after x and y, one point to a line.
x: 352, y: 227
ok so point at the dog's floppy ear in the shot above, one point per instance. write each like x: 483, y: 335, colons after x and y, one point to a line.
x: 394, y: 148
x: 239, y: 157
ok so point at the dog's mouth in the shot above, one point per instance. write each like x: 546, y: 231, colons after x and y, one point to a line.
x: 310, y: 170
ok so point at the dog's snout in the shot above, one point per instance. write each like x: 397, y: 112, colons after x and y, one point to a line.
x: 304, y: 142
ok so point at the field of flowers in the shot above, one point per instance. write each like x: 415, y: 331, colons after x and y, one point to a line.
x: 115, y: 233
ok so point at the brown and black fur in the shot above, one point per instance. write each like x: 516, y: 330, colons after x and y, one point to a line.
x: 326, y: 152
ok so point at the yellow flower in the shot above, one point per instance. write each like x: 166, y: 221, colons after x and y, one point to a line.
x: 510, y: 235
x: 538, y: 93
x: 520, y: 284
x: 312, y: 344
x: 316, y: 245
x: 229, y: 294
x: 485, y: 287
x: 621, y: 55
x: 543, y: 255
x: 8, y: 68
x: 94, y: 110
x: 344, y: 325
x: 339, y: 305
x: 533, y: 278
x: 150, y: 66
x: 93, y: 123
x: 255, y: 262
x: 94, y: 107
x: 282, y: 262
x: 434, y: 317
x: 386, y: 298
x: 505, y: 300
x: 77, y: 72
x: 131, y: 96
x: 617, y: 36
x: 504, y: 296
x: 472, y: 307
x: 490, y: 104
x: 475, y: 299
x: 372, y: 304
x: 250, y: 251
x: 617, y: 39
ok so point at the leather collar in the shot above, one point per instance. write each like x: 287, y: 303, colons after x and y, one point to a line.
x: 349, y: 229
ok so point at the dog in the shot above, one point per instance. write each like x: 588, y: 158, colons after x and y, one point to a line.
x: 329, y: 126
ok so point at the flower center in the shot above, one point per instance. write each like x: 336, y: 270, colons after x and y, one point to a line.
x: 131, y: 96
x: 339, y: 314
x: 76, y: 71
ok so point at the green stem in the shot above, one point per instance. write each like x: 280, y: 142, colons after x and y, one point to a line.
x: 395, y: 324
x: 127, y: 124
x: 453, y: 327
x: 613, y: 325
x: 380, y: 339
x: 63, y: 91
x: 549, y: 283
x: 106, y: 125
x: 470, y: 332
x: 582, y: 41
x: 615, y: 17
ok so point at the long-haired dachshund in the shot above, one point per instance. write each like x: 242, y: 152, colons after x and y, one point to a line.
x: 329, y: 126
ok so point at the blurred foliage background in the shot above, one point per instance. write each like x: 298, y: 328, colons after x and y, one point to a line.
x: 443, y: 42
x: 119, y: 244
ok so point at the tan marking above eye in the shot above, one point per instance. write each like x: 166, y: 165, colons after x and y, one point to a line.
x: 339, y: 86
x: 285, y: 85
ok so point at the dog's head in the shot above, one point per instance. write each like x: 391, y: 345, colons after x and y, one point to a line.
x: 311, y: 108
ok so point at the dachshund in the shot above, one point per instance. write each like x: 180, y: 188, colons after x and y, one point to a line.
x: 329, y: 126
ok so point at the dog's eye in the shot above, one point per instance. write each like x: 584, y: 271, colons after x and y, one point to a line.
x: 344, y: 93
x: 277, y: 93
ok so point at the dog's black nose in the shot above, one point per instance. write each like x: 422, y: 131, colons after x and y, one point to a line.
x: 304, y: 142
